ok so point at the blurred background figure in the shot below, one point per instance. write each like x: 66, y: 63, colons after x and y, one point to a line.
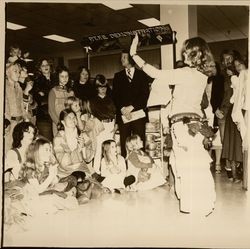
x: 232, y: 141
x: 44, y: 81
x: 217, y: 92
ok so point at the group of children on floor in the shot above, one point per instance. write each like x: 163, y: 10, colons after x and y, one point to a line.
x: 43, y: 176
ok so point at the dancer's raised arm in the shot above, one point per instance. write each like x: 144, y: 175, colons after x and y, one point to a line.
x: 147, y: 68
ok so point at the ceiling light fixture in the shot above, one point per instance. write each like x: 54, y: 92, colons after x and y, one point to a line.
x: 58, y: 38
x: 150, y: 22
x: 118, y: 6
x: 14, y: 26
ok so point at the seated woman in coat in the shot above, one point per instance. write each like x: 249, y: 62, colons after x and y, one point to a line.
x: 70, y: 147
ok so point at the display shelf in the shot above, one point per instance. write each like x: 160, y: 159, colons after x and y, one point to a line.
x: 154, y: 138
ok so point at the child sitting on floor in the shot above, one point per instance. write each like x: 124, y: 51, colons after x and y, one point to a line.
x: 148, y: 175
x: 42, y: 193
x: 89, y: 126
x: 113, y: 168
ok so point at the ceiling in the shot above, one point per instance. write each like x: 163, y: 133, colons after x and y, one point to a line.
x: 77, y: 20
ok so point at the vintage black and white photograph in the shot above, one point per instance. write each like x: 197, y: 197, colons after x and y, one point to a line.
x: 125, y: 124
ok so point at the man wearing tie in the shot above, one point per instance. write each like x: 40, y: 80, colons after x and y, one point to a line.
x: 130, y: 93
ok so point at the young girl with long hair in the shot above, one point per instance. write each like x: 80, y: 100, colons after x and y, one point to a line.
x: 40, y: 173
x: 113, y: 167
x: 75, y: 105
x: 87, y: 124
x: 58, y: 96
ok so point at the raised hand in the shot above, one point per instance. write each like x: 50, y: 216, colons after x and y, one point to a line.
x: 134, y: 44
x: 29, y: 86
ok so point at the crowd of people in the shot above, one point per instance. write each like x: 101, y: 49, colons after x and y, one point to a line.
x: 60, y: 150
x: 229, y: 104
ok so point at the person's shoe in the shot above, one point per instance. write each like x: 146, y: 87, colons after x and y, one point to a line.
x: 217, y: 169
x: 129, y: 180
x: 184, y: 212
x: 229, y: 174
x: 106, y: 190
x: 83, y: 200
x: 98, y: 177
x: 71, y: 180
x: 117, y: 191
x: 131, y: 188
x: 236, y: 180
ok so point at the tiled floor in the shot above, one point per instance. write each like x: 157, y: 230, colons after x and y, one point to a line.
x: 145, y: 219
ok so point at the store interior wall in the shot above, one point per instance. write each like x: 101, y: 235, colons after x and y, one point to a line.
x: 110, y: 63
x: 239, y: 45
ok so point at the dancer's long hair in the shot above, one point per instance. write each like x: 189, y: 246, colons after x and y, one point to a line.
x: 198, y: 54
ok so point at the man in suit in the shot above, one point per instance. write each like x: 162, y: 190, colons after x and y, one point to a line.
x: 130, y: 93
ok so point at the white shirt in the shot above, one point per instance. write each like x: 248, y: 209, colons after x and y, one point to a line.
x: 189, y: 88
x: 11, y: 161
x: 132, y: 71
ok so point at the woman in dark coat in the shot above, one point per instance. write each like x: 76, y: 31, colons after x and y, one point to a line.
x: 232, y: 142
x: 44, y: 81
x: 83, y: 88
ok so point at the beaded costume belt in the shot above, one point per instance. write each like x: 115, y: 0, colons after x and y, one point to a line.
x: 185, y: 117
x: 107, y: 120
x: 19, y: 118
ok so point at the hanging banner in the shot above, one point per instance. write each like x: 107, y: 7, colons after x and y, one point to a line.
x: 161, y: 35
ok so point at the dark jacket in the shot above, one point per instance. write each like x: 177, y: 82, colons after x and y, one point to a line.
x: 133, y: 93
x: 228, y: 92
x: 42, y: 84
x: 85, y: 91
x: 217, y: 93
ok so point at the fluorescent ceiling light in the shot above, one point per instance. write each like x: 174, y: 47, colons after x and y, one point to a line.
x: 118, y: 6
x: 150, y: 22
x: 58, y: 38
x: 14, y: 26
